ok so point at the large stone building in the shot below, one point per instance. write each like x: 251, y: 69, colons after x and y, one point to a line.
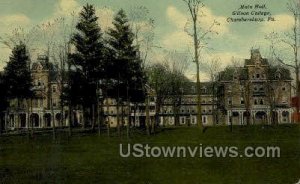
x: 44, y: 109
x: 185, y: 112
x: 256, y: 93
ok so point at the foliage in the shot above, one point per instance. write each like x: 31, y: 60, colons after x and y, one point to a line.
x: 88, y: 59
x: 17, y: 74
x: 125, y: 67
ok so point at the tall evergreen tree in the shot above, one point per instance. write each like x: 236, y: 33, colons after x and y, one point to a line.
x: 88, y: 58
x: 17, y: 74
x: 125, y: 66
x: 3, y: 102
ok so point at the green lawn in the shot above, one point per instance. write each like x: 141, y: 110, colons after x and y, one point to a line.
x: 88, y: 158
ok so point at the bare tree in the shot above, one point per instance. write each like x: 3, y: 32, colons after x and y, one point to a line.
x: 177, y: 64
x: 213, y: 68
x: 199, y: 35
x: 143, y: 29
x: 290, y: 40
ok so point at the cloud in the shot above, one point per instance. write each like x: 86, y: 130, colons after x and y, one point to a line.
x: 106, y: 16
x: 176, y: 17
x: 208, y: 18
x: 66, y: 7
x: 282, y: 22
x: 179, y: 39
x: 13, y: 20
x: 8, y: 23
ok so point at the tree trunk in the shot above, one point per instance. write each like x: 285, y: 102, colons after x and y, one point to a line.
x: 147, y: 116
x: 31, y: 119
x: 118, y: 113
x: 99, y: 116
x: 53, y: 120
x: 196, y: 48
x: 70, y: 119
x: 93, y: 117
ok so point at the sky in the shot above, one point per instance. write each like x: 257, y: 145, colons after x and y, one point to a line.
x: 234, y: 39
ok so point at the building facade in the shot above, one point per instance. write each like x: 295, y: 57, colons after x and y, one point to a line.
x: 43, y: 110
x: 256, y: 93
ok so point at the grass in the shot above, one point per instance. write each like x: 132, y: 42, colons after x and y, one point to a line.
x: 88, y: 158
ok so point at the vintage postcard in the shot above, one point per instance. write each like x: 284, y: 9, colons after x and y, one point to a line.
x: 150, y: 92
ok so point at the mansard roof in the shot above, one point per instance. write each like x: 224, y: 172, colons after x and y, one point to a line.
x: 43, y: 64
x: 256, y: 58
x: 206, y: 88
x: 241, y: 73
x: 279, y: 73
x: 231, y: 73
x: 263, y: 61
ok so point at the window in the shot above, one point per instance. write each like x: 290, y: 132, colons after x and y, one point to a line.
x: 261, y: 102
x: 229, y: 101
x: 255, y: 101
x: 204, y: 119
x: 41, y: 103
x: 182, y: 120
x: 278, y: 76
x: 54, y: 102
x: 53, y: 89
x: 193, y: 120
x: 284, y: 99
x: 242, y: 100
x: 193, y: 89
x: 283, y: 89
x: 257, y: 76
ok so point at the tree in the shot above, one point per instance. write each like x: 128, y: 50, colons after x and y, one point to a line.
x: 277, y: 78
x: 88, y: 60
x: 125, y: 68
x: 143, y: 29
x: 17, y: 75
x: 213, y: 68
x: 158, y: 79
x: 289, y: 41
x: 168, y: 81
x: 194, y: 7
x: 3, y: 102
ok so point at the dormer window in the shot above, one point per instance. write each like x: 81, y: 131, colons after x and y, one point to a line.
x: 261, y: 102
x: 242, y: 100
x: 278, y: 76
x: 193, y: 89
x: 255, y: 101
